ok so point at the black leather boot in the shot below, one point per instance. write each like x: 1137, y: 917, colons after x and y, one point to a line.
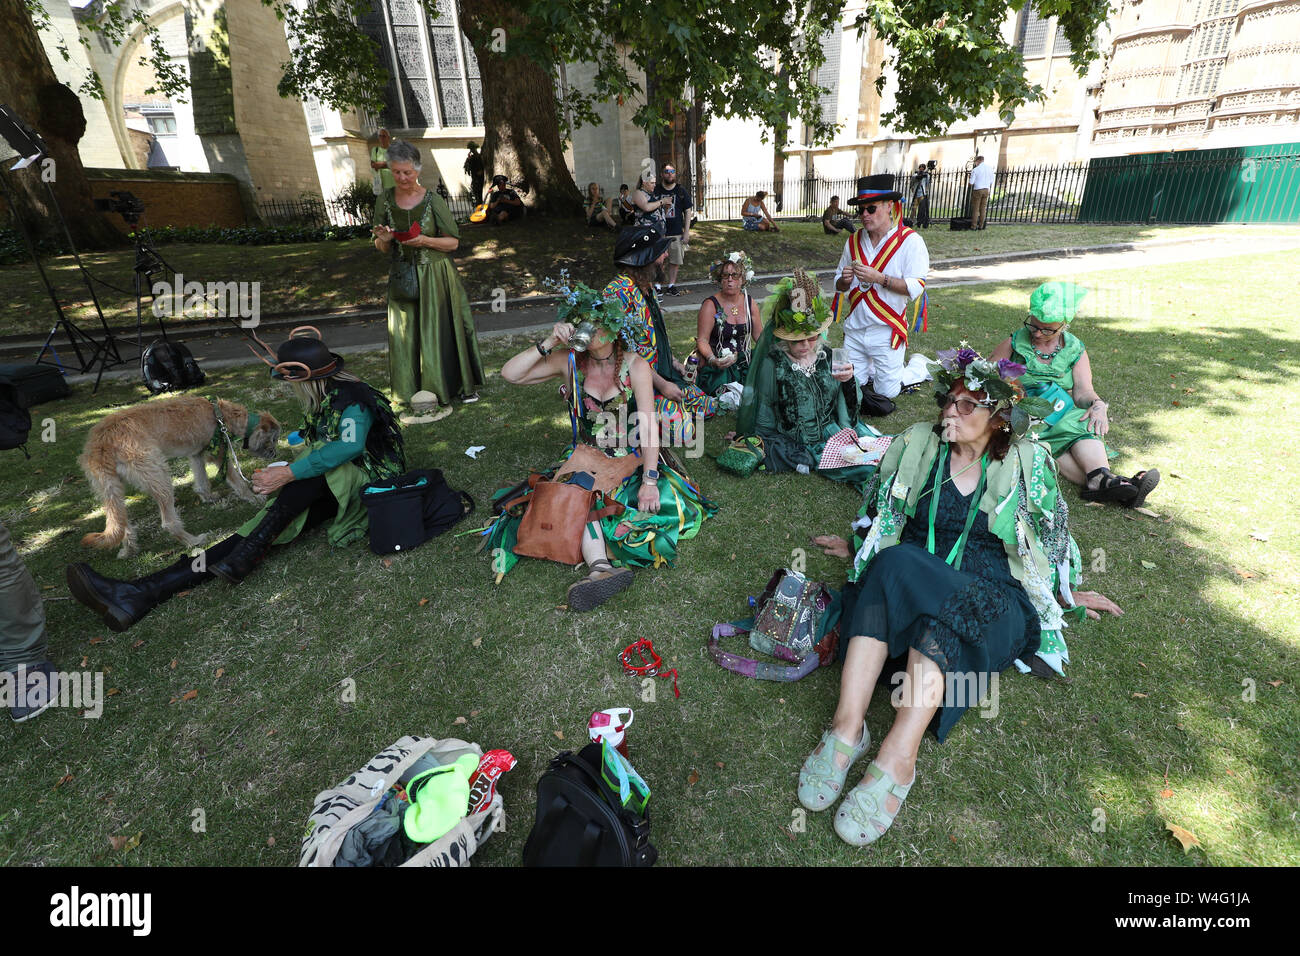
x: 122, y: 603
x: 239, y: 563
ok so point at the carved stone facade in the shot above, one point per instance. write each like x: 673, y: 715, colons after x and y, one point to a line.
x: 1186, y: 74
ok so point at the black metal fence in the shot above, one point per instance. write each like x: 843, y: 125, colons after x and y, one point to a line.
x: 340, y: 211
x: 1023, y: 194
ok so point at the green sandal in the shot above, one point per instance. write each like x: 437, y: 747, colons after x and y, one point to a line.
x: 862, y: 818
x: 821, y: 779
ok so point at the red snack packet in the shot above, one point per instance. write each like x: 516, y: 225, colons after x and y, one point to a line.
x: 409, y: 234
x: 483, y: 781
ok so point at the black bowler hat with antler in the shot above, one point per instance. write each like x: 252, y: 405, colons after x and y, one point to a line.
x: 301, y: 358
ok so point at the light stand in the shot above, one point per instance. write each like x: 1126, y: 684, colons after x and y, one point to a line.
x: 24, y: 142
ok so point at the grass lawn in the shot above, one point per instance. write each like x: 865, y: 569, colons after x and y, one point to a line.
x: 338, y: 275
x: 1183, y: 711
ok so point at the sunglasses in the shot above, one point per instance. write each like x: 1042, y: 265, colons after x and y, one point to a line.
x: 669, y: 169
x: 729, y: 275
x: 871, y: 207
x: 1035, y: 329
x: 964, y: 404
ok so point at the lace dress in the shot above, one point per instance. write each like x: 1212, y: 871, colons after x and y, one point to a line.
x: 973, y: 623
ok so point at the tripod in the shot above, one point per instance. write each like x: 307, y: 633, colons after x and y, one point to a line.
x: 149, y: 267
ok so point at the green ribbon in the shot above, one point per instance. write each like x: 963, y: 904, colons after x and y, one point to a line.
x: 955, y: 555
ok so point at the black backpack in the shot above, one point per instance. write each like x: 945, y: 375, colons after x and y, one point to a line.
x: 167, y: 365
x: 578, y: 824
x: 15, y: 420
x: 408, y: 510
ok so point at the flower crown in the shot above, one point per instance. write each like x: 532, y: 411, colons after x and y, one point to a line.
x: 580, y: 303
x: 801, y: 290
x: 740, y: 259
x: 998, y: 380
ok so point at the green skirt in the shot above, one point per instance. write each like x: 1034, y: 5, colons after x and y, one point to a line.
x: 712, y: 379
x: 432, y: 345
x: 634, y: 539
x: 348, y: 526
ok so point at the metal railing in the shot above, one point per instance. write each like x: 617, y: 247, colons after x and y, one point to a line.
x: 1025, y: 194
x: 310, y: 211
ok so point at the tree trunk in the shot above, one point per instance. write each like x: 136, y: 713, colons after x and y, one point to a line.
x: 521, y: 126
x: 779, y: 136
x: 29, y: 87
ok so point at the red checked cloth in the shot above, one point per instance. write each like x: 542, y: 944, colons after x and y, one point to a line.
x: 843, y: 449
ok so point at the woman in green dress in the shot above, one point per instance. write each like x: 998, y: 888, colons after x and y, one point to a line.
x: 728, y: 325
x: 652, y: 504
x: 793, y: 400
x: 432, y: 345
x: 962, y: 566
x: 351, y: 438
x: 1059, y: 370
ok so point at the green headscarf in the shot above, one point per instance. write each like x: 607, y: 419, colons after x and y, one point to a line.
x: 1054, y: 302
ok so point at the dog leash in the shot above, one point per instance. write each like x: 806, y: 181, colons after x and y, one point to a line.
x: 230, y: 445
x: 650, y: 666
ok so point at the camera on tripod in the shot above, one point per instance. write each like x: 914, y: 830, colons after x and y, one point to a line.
x: 123, y: 203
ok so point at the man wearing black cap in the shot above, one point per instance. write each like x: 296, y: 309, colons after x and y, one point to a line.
x: 882, y: 269
x: 352, y: 438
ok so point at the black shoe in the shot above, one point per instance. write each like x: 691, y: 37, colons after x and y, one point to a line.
x: 36, y: 695
x: 248, y: 554
x: 672, y: 290
x: 120, y: 604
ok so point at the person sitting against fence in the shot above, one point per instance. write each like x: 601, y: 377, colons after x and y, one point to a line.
x: 834, y: 219
x: 352, y: 438
x: 504, y: 204
x: 638, y: 251
x: 616, y: 450
x: 754, y: 215
x: 597, y: 213
x: 953, y: 580
x: 1058, y: 369
x: 794, y: 400
x: 728, y: 324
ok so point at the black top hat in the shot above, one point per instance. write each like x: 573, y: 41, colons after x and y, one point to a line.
x: 878, y: 188
x: 639, y: 246
x: 305, y: 359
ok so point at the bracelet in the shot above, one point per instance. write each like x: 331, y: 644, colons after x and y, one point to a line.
x: 541, y: 351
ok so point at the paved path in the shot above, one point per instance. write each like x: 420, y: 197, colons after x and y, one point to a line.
x: 367, y: 330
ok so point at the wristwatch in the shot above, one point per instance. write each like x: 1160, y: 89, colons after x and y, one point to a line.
x: 650, y: 474
x: 543, y: 352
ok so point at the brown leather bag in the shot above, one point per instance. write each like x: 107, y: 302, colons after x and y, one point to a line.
x: 607, y: 472
x: 552, y: 527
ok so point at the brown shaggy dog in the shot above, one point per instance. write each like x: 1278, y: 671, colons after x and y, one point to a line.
x: 132, y: 446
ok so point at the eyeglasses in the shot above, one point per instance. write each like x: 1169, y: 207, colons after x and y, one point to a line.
x: 964, y: 405
x: 729, y: 275
x: 1035, y: 329
x: 870, y: 208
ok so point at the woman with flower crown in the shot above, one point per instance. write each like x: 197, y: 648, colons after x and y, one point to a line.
x: 962, y: 565
x: 646, y: 503
x: 794, y: 400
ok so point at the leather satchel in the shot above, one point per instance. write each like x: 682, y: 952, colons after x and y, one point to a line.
x: 607, y: 473
x: 557, y: 516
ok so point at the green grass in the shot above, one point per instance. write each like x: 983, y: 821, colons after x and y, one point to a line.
x: 340, y: 275
x: 1204, y: 393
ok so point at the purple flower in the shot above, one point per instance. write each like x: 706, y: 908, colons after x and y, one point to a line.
x: 965, y: 356
x: 948, y: 359
x: 1008, y: 369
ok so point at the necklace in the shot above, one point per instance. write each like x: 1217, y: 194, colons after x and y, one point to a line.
x: 607, y: 358
x: 1048, y: 356
x: 731, y: 309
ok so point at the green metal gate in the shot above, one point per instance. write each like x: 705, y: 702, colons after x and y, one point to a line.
x: 1240, y: 184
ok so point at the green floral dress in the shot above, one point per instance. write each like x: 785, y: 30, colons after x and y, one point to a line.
x: 432, y: 344
x: 1054, y: 380
x: 634, y: 538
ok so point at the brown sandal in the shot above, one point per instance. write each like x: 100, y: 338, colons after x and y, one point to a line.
x: 601, y: 584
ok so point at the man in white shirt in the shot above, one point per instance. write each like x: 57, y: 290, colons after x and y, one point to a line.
x: 882, y: 269
x: 981, y: 181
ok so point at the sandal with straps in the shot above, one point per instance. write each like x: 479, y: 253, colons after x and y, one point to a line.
x: 1111, y: 488
x: 863, y: 818
x: 821, y: 779
x: 1145, y: 482
x: 601, y: 584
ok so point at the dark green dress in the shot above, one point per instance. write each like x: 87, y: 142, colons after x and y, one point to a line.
x: 432, y: 344
x: 797, y: 413
x: 973, y: 623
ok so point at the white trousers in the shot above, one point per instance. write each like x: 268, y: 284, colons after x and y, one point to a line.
x: 873, y: 358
